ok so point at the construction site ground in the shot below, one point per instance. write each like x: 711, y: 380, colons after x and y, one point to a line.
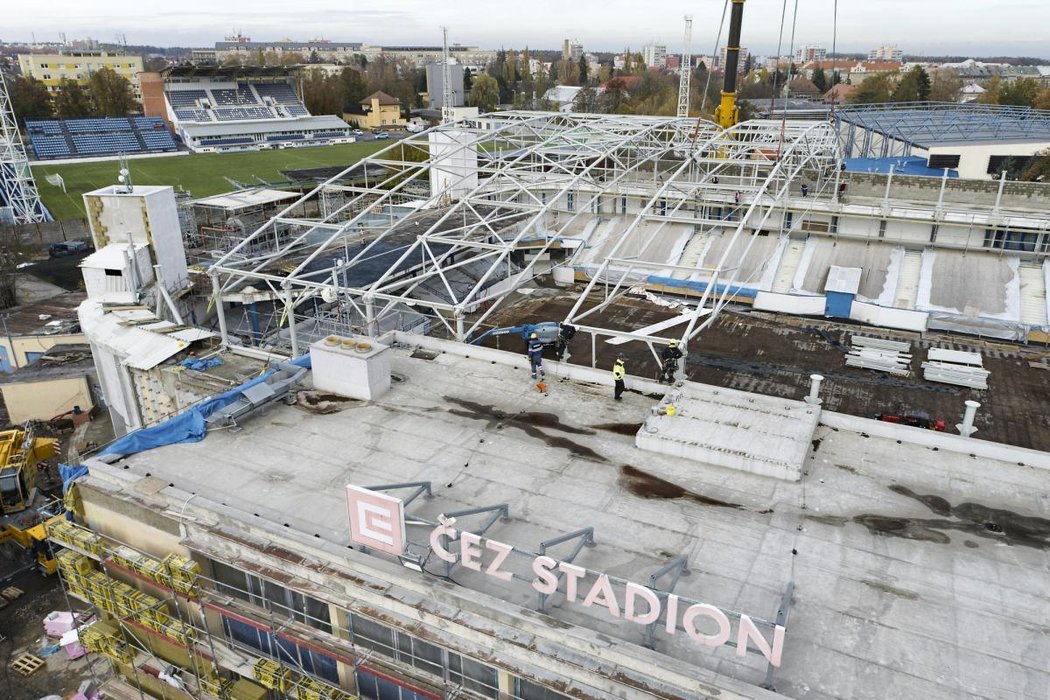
x: 22, y: 625
x: 776, y: 354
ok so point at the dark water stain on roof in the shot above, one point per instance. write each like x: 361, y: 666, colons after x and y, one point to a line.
x: 646, y: 485
x: 970, y: 518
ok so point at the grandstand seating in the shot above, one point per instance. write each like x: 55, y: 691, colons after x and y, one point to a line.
x: 281, y: 93
x: 296, y: 111
x: 227, y: 142
x: 185, y: 98
x: 92, y: 137
x: 226, y: 114
x: 193, y: 115
x: 245, y: 94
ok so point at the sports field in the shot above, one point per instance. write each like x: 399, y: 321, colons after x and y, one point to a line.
x: 201, y: 174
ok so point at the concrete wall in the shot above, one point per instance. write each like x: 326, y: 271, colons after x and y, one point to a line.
x: 974, y: 158
x: 1019, y: 195
x: 45, y: 399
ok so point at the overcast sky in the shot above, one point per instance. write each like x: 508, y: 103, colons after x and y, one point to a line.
x: 929, y: 27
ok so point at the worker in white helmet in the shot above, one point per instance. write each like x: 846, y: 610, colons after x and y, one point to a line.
x: 670, y: 356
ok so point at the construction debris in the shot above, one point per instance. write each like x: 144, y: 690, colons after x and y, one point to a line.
x: 27, y: 664
x: 880, y: 355
x: 955, y: 367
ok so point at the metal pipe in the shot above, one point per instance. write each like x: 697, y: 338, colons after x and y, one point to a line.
x: 966, y: 428
x: 220, y: 311
x: 814, y: 390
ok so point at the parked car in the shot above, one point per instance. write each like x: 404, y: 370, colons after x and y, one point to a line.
x: 64, y: 249
x: 382, y: 134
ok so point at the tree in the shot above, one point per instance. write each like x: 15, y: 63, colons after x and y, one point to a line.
x: 72, y: 101
x: 111, y: 93
x: 323, y: 94
x: 913, y: 87
x: 876, y: 89
x: 1042, y: 100
x: 354, y: 89
x: 586, y: 100
x: 820, y: 79
x: 991, y: 91
x: 29, y: 98
x: 1039, y: 169
x: 485, y: 93
x: 314, y: 57
x: 1022, y: 92
x: 945, y: 85
x: 615, y: 96
x: 468, y: 80
x: 583, y: 70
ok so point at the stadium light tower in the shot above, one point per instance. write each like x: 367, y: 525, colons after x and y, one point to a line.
x: 17, y: 187
x: 684, y: 71
x: 448, y: 110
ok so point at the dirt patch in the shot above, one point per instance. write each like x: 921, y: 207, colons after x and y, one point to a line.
x: 321, y: 403
x: 22, y: 622
x: 646, y: 485
x: 528, y: 423
x: 630, y: 429
x: 892, y: 590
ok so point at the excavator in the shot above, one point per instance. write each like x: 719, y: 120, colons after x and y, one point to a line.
x: 24, y: 512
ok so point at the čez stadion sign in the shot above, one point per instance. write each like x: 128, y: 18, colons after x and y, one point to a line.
x: 377, y: 521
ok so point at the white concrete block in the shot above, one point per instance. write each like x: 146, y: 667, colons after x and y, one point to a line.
x: 354, y: 367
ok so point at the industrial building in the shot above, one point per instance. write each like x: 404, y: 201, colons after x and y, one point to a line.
x: 331, y: 489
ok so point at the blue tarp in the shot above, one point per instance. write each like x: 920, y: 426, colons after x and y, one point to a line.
x: 700, y: 287
x: 188, y: 426
x: 912, y: 165
x: 69, y: 474
x: 201, y: 365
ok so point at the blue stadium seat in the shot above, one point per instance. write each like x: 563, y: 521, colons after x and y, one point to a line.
x: 91, y: 137
x: 185, y: 98
x: 282, y: 93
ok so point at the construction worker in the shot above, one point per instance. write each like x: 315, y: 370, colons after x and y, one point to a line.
x: 619, y: 372
x: 805, y: 190
x: 535, y: 353
x: 670, y: 356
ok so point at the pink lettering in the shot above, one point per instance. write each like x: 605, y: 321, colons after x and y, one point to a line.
x: 573, y: 574
x: 601, y: 593
x: 634, y: 591
x: 545, y: 582
x: 709, y: 640
x: 749, y: 632
x: 470, y: 550
x: 502, y: 552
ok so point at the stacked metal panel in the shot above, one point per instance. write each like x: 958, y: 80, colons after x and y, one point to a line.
x: 955, y: 367
x: 880, y: 355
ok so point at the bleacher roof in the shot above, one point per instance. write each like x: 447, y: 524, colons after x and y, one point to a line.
x: 927, y: 124
x: 263, y: 126
x: 228, y: 72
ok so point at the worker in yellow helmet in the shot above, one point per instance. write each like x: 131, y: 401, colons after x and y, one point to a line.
x: 670, y: 356
x: 535, y: 353
x: 619, y: 372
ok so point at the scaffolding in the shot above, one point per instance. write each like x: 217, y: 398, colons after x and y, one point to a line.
x: 461, y: 215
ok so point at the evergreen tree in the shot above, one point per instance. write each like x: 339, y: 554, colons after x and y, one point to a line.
x: 820, y: 79
x: 583, y: 70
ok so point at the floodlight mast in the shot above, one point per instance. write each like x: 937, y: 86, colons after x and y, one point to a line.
x: 684, y: 72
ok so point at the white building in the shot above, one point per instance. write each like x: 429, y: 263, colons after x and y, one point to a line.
x: 809, y: 53
x: 886, y: 52
x: 655, y: 55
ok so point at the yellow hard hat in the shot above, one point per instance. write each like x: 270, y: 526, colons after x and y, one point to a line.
x: 673, y: 343
x: 533, y: 336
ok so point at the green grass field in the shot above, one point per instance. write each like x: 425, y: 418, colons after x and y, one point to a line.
x: 201, y: 174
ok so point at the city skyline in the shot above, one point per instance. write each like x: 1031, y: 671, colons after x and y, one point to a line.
x: 917, y: 29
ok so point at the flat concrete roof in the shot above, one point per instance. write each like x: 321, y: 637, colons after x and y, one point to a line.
x: 918, y: 572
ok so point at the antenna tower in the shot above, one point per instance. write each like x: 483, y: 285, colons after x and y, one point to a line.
x: 684, y: 72
x: 17, y: 187
x: 448, y: 110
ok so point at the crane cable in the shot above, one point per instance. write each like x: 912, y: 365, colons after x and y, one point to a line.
x: 776, y: 69
x: 707, y: 86
x: 791, y: 52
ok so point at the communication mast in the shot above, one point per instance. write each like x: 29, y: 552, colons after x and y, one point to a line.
x: 684, y: 72
x: 17, y: 187
x: 448, y: 110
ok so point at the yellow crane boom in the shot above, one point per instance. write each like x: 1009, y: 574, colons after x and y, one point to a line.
x: 727, y: 114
